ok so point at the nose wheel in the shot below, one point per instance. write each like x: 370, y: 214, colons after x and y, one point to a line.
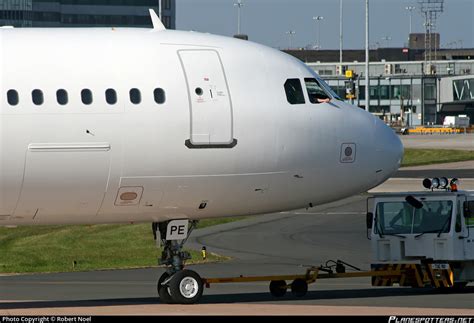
x: 177, y: 285
x: 184, y: 287
x: 164, y: 290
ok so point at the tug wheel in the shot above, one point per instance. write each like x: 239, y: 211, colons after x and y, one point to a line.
x: 299, y: 287
x: 278, y: 288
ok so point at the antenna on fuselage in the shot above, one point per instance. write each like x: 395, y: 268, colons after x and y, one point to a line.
x: 157, y: 24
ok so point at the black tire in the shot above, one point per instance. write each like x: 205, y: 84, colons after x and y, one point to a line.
x: 186, y: 287
x: 278, y: 288
x: 163, y: 290
x: 299, y: 287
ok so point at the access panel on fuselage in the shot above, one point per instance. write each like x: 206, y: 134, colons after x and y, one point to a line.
x: 210, y: 101
x: 63, y: 180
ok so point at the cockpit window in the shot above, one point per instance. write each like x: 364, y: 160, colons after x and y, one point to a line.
x: 329, y: 89
x: 316, y: 92
x: 294, y: 91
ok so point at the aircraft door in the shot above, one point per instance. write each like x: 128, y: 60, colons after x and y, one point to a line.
x: 210, y: 101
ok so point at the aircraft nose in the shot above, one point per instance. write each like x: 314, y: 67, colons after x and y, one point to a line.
x: 389, y: 151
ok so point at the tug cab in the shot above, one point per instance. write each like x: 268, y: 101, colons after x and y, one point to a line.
x: 431, y: 232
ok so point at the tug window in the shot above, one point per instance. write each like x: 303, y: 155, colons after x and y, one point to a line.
x: 316, y: 92
x: 86, y: 96
x: 294, y: 91
x: 12, y: 97
x: 37, y: 96
x: 111, y: 96
x: 62, y: 97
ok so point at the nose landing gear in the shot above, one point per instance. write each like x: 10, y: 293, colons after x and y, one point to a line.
x: 177, y: 285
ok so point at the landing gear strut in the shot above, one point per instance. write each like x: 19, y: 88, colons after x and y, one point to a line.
x: 177, y: 285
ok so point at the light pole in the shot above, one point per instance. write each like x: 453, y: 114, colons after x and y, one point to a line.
x: 340, y: 31
x: 410, y: 9
x: 318, y: 19
x: 367, y: 78
x: 290, y: 34
x: 160, y: 10
x: 438, y: 98
x: 239, y: 6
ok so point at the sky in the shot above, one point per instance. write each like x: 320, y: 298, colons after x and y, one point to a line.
x: 268, y: 21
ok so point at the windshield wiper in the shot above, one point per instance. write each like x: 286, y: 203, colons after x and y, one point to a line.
x: 395, y: 235
x: 419, y: 235
x: 436, y: 231
x: 382, y: 234
x: 376, y: 223
x: 444, y: 226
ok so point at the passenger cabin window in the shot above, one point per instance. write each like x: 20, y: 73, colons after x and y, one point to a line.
x: 160, y: 96
x: 86, y: 96
x: 111, y: 96
x: 135, y: 96
x: 294, y: 91
x: 62, y: 97
x: 12, y: 97
x: 37, y: 97
x: 316, y: 92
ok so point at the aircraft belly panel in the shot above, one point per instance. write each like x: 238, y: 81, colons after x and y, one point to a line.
x: 200, y: 196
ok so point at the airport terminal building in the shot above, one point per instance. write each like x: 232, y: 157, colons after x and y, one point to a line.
x: 403, y: 89
x: 85, y: 13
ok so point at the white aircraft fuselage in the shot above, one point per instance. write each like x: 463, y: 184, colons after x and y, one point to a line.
x: 201, y: 127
